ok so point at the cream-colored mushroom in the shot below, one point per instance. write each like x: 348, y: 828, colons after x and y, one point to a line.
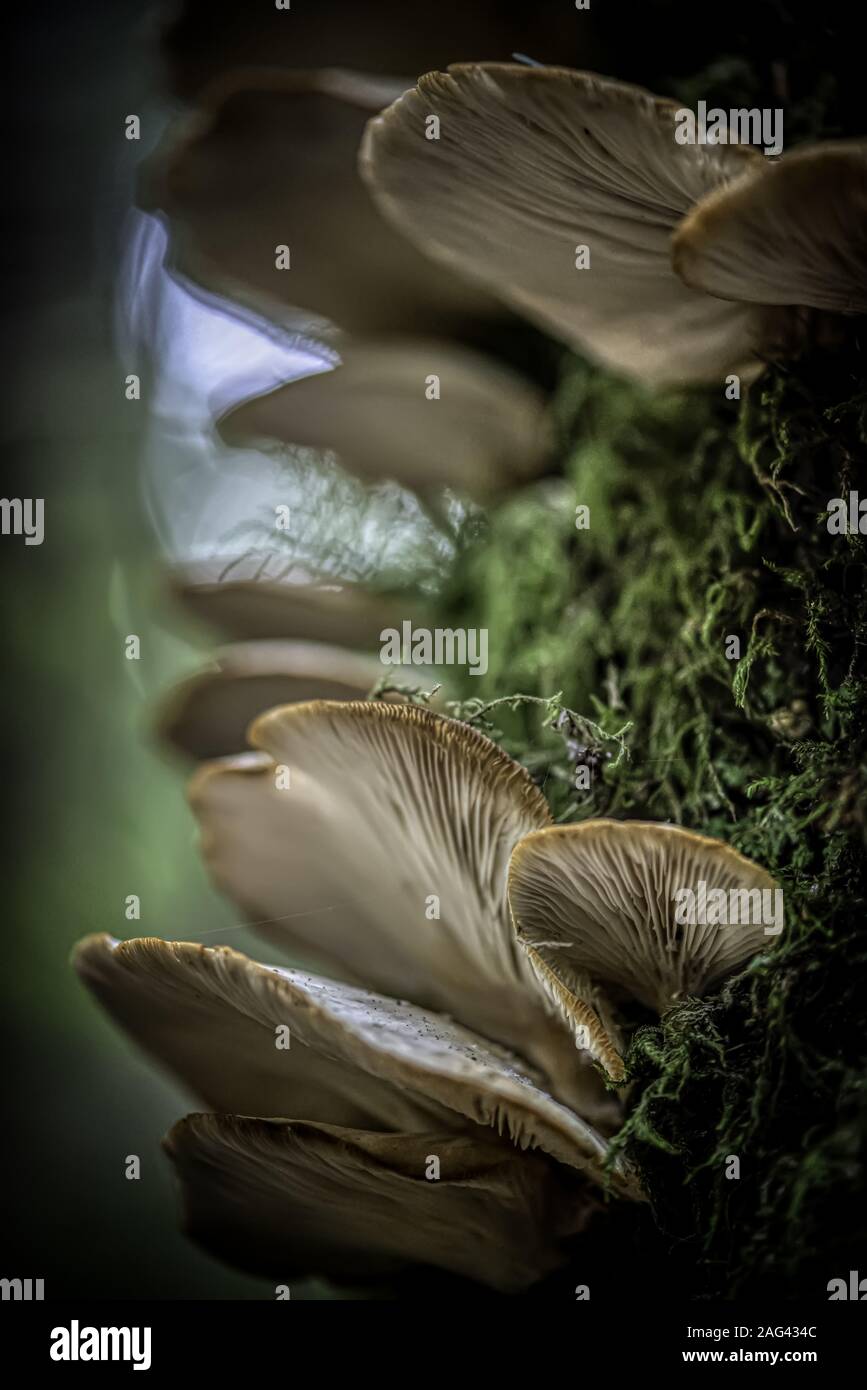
x: 788, y: 232
x: 425, y: 414
x: 208, y: 714
x: 381, y: 850
x: 602, y: 904
x: 339, y: 613
x: 210, y: 1017
x: 348, y: 1055
x: 532, y: 164
x: 291, y: 1200
x: 268, y: 161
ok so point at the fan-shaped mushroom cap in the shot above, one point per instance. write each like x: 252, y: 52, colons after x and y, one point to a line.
x: 386, y: 857
x: 269, y: 161
x: 792, y: 231
x: 343, y: 614
x: 208, y: 715
x: 484, y: 430
x: 291, y: 1200
x: 531, y: 163
x: 209, y: 1017
x: 349, y: 1056
x: 596, y: 903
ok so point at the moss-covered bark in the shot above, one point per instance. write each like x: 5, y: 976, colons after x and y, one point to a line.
x: 708, y: 519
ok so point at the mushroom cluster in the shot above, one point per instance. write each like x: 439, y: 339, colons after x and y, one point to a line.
x: 415, y: 220
x: 443, y: 1083
x: 702, y: 258
x: 443, y: 1094
x: 265, y: 204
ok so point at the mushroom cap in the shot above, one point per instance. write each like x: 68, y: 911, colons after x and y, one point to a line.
x: 269, y: 160
x: 383, y: 857
x: 211, y: 1014
x: 789, y: 232
x: 338, y: 613
x: 531, y: 163
x: 387, y: 805
x: 208, y: 1016
x: 291, y: 1200
x: 208, y: 714
x: 485, y: 430
x: 594, y: 904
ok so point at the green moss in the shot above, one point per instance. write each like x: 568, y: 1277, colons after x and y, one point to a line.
x: 708, y: 520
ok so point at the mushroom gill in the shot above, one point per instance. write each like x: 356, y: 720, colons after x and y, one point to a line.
x: 605, y: 904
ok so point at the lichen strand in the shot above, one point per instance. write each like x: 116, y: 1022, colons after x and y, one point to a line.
x: 708, y: 519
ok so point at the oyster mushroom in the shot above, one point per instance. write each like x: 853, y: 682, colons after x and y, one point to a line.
x: 317, y: 1136
x: 269, y: 160
x: 353, y: 1057
x: 699, y: 260
x: 484, y: 428
x: 208, y: 714
x: 531, y: 163
x: 595, y: 906
x: 317, y: 1158
x: 789, y: 232
x: 338, y: 613
x: 386, y: 859
x: 285, y: 1199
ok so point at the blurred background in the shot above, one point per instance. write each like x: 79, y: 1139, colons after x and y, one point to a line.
x: 96, y: 813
